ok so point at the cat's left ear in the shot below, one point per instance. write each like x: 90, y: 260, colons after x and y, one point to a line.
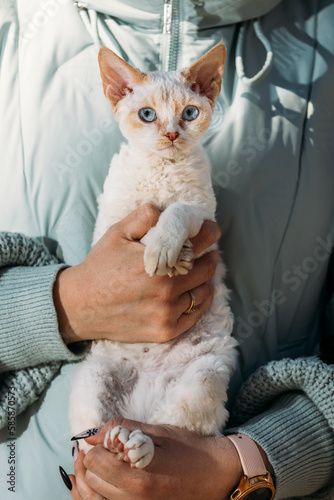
x: 118, y: 77
x: 206, y: 74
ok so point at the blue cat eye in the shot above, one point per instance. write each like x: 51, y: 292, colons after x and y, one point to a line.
x: 147, y: 115
x: 190, y: 113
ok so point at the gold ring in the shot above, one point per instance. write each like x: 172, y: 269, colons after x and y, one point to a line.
x: 192, y: 306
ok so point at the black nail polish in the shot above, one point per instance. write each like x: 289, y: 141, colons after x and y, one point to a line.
x: 65, y: 478
x: 85, y: 434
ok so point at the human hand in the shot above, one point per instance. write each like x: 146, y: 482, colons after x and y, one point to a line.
x: 185, y: 465
x: 110, y: 296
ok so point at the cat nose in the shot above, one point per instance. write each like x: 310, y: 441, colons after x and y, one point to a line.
x: 172, y: 135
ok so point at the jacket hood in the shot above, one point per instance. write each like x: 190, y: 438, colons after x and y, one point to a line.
x: 226, y: 11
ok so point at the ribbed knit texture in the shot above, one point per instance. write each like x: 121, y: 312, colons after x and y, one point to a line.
x: 287, y: 407
x: 32, y: 349
x: 28, y: 323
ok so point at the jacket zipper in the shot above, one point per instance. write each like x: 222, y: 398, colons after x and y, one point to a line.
x: 171, y: 32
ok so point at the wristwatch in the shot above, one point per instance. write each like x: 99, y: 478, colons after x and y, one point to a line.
x: 257, y: 483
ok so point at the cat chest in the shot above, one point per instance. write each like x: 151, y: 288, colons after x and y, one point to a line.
x: 135, y: 180
x: 161, y: 189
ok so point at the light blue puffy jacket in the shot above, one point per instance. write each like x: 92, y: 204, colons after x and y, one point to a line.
x: 270, y: 144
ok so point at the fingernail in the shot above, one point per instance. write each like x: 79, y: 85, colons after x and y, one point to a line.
x: 75, y: 451
x: 85, y: 434
x: 65, y: 478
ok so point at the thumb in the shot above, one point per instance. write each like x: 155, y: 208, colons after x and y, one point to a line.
x: 139, y: 222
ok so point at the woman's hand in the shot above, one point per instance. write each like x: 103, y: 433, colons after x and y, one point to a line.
x: 185, y: 465
x: 110, y: 296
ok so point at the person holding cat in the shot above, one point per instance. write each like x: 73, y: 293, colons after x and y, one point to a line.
x: 270, y: 150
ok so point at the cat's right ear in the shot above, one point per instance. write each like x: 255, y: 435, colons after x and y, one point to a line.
x: 118, y: 77
x: 206, y: 74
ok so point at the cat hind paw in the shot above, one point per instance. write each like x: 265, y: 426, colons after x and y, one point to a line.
x: 135, y: 448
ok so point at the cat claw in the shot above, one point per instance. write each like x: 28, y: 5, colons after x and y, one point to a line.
x: 161, y: 260
x: 185, y: 260
x: 135, y: 448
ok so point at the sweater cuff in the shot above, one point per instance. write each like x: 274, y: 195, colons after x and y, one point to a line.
x: 298, y: 442
x: 28, y: 322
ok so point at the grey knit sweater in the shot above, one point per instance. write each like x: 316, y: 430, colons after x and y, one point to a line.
x: 31, y: 353
x: 286, y: 406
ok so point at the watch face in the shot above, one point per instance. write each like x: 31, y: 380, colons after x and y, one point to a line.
x: 260, y: 494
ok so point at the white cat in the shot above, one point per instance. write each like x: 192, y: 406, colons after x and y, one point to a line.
x: 182, y: 382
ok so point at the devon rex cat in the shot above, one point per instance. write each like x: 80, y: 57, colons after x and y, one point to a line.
x: 182, y: 382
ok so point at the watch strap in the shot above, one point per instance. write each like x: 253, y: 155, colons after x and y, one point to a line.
x: 250, y: 456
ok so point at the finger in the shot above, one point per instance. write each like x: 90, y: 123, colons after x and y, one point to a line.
x: 81, y: 488
x: 74, y: 491
x: 130, y: 425
x: 200, y: 293
x: 98, y: 438
x: 105, y: 473
x: 138, y: 222
x: 209, y: 234
x: 106, y: 488
x: 203, y: 271
x: 186, y: 321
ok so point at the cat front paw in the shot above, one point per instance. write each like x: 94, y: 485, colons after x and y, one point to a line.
x: 166, y: 255
x: 185, y: 260
x: 159, y: 258
x: 135, y: 448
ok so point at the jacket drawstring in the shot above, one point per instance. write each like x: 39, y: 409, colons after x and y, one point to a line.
x: 239, y: 54
x: 101, y: 36
x: 90, y: 21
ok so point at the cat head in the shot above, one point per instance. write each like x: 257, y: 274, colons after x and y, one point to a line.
x: 163, y: 112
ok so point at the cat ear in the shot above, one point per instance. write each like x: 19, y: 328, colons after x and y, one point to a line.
x: 118, y: 77
x: 206, y: 74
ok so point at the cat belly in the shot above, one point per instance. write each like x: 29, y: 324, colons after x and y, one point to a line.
x: 191, y: 396
x: 182, y: 382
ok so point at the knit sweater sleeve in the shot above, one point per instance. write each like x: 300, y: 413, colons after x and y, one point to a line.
x: 28, y: 320
x: 32, y: 349
x: 287, y: 407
